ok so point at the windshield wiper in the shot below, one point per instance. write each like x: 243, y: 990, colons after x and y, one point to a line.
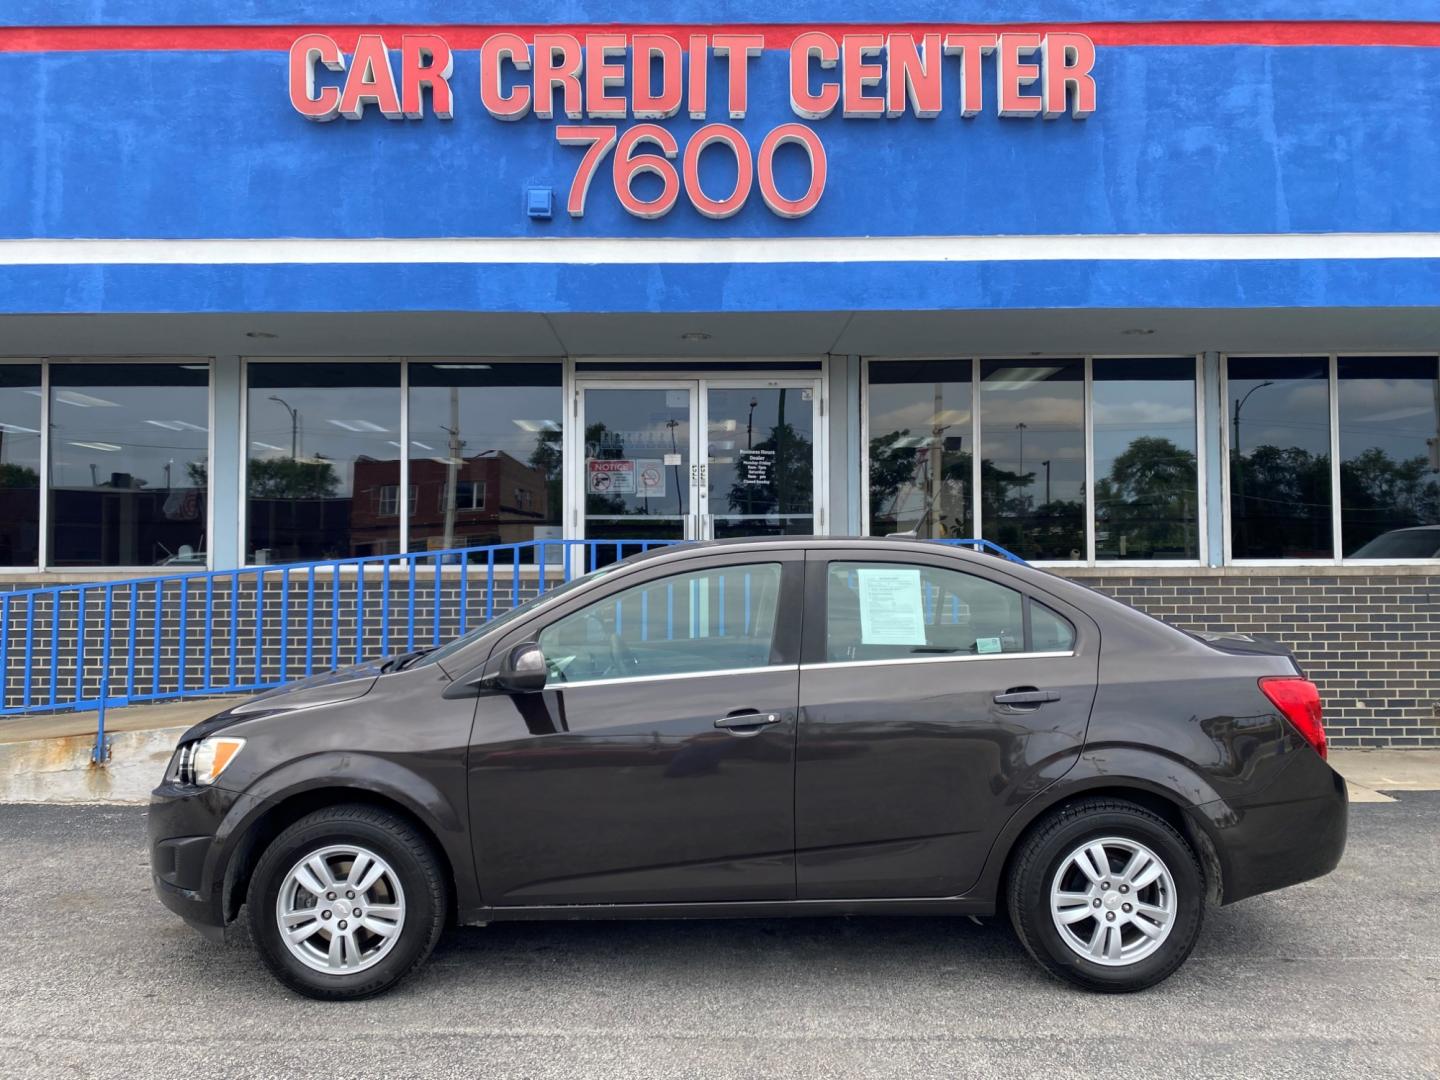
x: 404, y: 660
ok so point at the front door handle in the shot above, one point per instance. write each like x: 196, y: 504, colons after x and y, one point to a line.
x: 1026, y: 695
x: 747, y: 723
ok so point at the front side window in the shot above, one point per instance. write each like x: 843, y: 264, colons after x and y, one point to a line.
x: 322, y: 445
x: 1279, y: 421
x: 890, y: 611
x: 1389, y: 456
x: 713, y: 620
x: 1147, y: 500
x: 920, y: 452
x: 129, y: 461
x: 19, y: 464
x: 1032, y: 457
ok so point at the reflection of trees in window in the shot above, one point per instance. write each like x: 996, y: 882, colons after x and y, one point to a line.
x: 1380, y: 494
x: 287, y: 478
x: 906, y: 494
x: 1282, y: 507
x: 18, y: 476
x: 1147, y: 503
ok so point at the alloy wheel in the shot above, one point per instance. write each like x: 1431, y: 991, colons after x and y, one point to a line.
x: 341, y: 909
x: 1113, y: 901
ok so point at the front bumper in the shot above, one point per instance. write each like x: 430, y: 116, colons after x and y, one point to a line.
x: 189, y: 855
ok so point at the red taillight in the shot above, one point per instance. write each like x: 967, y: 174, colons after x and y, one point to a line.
x: 1299, y: 700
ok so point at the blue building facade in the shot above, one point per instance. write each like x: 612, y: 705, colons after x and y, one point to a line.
x: 1150, y: 299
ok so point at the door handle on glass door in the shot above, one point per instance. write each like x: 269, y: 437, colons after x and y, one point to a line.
x: 1026, y: 695
x: 747, y: 723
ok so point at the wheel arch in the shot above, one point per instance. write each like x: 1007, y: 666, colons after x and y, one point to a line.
x: 1166, y: 804
x: 252, y: 836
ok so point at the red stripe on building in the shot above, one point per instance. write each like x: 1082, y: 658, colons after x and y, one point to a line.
x: 777, y: 36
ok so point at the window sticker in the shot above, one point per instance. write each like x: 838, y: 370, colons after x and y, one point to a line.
x: 891, y: 608
x: 987, y: 645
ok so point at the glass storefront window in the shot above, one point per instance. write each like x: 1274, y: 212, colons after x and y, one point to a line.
x: 485, y: 453
x: 1279, y: 423
x: 1032, y: 460
x: 1389, y: 456
x: 920, y: 448
x: 19, y: 464
x: 129, y: 456
x: 322, y: 439
x: 1146, y: 472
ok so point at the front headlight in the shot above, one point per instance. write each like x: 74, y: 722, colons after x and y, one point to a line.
x: 202, y: 762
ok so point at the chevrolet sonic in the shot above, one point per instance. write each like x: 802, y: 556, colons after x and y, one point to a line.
x: 762, y: 727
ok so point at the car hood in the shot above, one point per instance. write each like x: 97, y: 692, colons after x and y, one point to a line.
x: 329, y: 688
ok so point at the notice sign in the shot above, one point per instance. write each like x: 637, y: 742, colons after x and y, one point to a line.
x: 757, y: 467
x: 609, y: 477
x: 650, y: 479
x: 891, y: 609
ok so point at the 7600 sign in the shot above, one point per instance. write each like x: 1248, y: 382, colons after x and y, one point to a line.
x: 631, y: 162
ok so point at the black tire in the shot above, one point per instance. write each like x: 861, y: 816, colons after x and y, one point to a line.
x: 407, y: 852
x: 1041, y: 857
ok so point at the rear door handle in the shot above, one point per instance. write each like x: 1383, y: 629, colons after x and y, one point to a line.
x: 747, y: 723
x: 1026, y: 697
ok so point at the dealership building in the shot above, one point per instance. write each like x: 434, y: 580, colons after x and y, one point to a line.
x: 1149, y: 301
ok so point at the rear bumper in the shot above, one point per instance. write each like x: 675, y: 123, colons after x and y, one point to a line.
x: 1295, y: 832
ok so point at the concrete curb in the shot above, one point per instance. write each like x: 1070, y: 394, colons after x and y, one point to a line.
x: 59, y: 770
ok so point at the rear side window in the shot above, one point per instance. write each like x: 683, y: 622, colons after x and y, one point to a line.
x: 1049, y: 632
x: 889, y: 611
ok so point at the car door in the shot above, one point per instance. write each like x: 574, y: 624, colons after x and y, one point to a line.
x: 936, y: 697
x: 657, y: 766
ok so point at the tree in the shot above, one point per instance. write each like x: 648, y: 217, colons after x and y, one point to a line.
x: 1149, y: 499
x: 18, y: 476
x: 288, y: 478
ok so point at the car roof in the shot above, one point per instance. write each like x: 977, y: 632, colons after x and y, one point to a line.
x: 692, y: 549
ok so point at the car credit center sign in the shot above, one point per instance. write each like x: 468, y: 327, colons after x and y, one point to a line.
x: 864, y: 75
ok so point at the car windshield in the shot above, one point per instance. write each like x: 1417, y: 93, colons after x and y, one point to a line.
x: 1402, y: 544
x: 452, y: 647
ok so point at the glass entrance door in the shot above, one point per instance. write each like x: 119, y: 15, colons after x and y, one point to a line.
x: 761, y: 458
x: 637, y: 479
x: 697, y: 459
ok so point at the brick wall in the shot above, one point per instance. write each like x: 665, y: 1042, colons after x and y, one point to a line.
x: 1371, y: 641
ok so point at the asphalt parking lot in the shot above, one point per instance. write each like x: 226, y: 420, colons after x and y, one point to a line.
x: 1339, y: 976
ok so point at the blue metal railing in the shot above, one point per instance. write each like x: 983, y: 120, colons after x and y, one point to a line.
x: 66, y: 648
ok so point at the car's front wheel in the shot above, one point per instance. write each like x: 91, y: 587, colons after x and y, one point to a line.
x: 1107, y: 895
x: 346, y: 902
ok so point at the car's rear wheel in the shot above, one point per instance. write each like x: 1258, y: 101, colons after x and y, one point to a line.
x: 1107, y: 895
x: 346, y: 902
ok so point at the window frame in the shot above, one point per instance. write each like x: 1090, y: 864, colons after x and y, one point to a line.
x: 784, y: 650
x: 1089, y: 561
x: 43, y: 564
x: 817, y: 608
x: 1336, y: 510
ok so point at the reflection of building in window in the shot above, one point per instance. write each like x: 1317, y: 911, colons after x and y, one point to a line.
x: 469, y: 495
x: 388, y: 499
x: 474, y: 519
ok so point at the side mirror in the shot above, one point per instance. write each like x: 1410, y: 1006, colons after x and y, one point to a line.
x: 523, y: 671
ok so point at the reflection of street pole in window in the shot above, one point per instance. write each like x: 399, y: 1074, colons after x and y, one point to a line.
x: 1020, y: 427
x: 1239, y: 470
x: 452, y: 468
x: 750, y: 445
x: 1047, y: 482
x: 294, y: 425
x: 933, y: 460
x: 672, y: 424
